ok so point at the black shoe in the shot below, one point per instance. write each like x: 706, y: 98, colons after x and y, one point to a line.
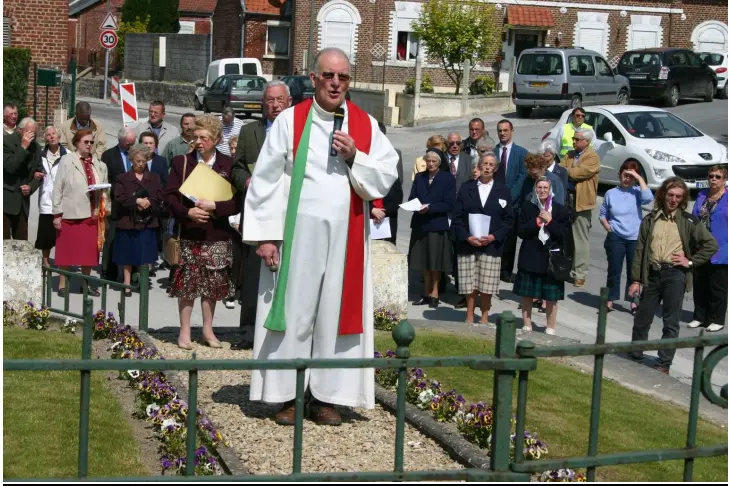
x: 93, y: 292
x: 127, y: 292
x: 244, y: 343
x: 434, y: 302
x: 536, y: 304
x: 635, y: 359
x: 461, y: 304
x: 541, y: 310
x: 423, y: 301
x: 153, y: 273
x: 62, y: 292
x: 505, y: 277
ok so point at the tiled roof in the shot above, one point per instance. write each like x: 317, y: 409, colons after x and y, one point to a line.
x: 200, y: 6
x: 270, y: 7
x: 529, y: 16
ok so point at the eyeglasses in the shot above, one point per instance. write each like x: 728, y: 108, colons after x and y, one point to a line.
x: 276, y: 101
x: 328, y: 75
x: 88, y: 142
x: 714, y: 176
x: 576, y: 139
x: 455, y: 142
x: 578, y: 115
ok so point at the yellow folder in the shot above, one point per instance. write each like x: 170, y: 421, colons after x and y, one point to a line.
x: 204, y: 183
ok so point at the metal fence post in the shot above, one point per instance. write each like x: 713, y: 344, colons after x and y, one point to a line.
x: 85, y: 392
x: 502, y: 399
x: 144, y: 297
x: 192, y: 424
x: 403, y: 335
x: 597, y: 386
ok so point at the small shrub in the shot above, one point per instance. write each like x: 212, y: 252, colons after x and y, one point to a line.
x: 426, y: 85
x: 482, y: 85
x: 385, y: 320
x: 16, y: 67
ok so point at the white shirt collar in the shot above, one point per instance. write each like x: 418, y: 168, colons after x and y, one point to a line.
x: 480, y: 183
x: 552, y: 167
x: 210, y: 163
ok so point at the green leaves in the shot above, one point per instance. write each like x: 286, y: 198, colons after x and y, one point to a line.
x: 16, y: 66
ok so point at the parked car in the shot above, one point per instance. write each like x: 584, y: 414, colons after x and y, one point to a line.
x: 244, y: 94
x: 219, y: 67
x: 718, y: 62
x: 565, y: 77
x: 300, y: 88
x: 663, y: 144
x: 667, y: 74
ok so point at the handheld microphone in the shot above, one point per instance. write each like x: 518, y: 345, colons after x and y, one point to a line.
x: 339, y: 118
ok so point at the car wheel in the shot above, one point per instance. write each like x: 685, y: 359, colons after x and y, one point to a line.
x: 575, y: 102
x: 205, y: 107
x: 673, y: 98
x: 196, y: 104
x: 623, y: 98
x: 524, y: 111
x: 722, y: 94
x: 709, y: 91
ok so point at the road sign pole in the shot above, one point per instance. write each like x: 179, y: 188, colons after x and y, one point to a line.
x: 106, y: 71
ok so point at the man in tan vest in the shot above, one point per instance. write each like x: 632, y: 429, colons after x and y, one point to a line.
x: 68, y: 129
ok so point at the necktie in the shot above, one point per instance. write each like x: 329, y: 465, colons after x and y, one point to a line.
x: 453, y: 166
x: 503, y: 160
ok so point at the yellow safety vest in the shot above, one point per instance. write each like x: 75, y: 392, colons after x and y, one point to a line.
x: 566, y: 143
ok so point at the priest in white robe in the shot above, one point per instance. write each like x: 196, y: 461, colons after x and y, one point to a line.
x: 307, y: 212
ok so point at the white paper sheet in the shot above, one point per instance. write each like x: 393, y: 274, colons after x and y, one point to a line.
x: 413, y: 205
x: 99, y: 187
x: 380, y: 231
x: 479, y: 225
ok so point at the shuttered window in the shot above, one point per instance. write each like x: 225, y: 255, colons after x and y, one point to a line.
x: 6, y: 32
x: 641, y: 39
x: 338, y: 23
x: 339, y: 34
x: 591, y: 39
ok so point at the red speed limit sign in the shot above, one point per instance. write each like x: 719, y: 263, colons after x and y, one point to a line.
x: 108, y: 39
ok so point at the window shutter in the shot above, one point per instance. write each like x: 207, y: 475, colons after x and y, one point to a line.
x: 643, y: 39
x: 339, y: 34
x: 591, y: 39
x: 187, y: 27
x: 6, y: 32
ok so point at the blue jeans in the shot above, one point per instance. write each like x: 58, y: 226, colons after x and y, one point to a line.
x: 616, y: 249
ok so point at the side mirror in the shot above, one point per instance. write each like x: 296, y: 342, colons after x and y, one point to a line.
x: 199, y: 83
x: 608, y: 137
x: 615, y: 71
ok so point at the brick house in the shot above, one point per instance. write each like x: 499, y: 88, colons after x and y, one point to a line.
x: 254, y: 28
x: 40, y: 27
x: 366, y: 28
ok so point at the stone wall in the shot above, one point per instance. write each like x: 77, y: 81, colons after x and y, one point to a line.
x: 370, y: 101
x: 187, y: 57
x: 22, y: 280
x: 390, y: 278
x: 175, y: 94
x: 443, y: 106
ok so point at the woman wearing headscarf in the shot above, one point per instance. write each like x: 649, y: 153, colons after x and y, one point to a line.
x: 430, y: 248
x: 479, y: 257
x: 543, y: 226
x: 78, y: 213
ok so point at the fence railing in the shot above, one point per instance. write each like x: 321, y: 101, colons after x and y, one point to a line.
x: 510, y: 358
x: 141, y: 287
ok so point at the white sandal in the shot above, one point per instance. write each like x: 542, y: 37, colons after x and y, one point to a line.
x: 549, y: 330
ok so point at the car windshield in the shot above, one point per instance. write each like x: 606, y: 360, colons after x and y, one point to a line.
x: 711, y: 58
x: 656, y: 124
x: 540, y: 64
x: 640, y: 59
x: 248, y: 83
x: 307, y: 82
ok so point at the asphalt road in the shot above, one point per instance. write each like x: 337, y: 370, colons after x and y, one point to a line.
x: 577, y: 316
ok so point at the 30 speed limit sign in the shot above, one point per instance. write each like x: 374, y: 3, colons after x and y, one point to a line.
x: 108, y: 39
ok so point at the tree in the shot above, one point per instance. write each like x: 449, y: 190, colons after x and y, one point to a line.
x: 134, y: 10
x: 138, y: 26
x: 453, y: 31
x: 164, y: 16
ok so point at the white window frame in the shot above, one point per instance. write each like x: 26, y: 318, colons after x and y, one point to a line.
x: 593, y: 20
x: 401, y: 20
x: 644, y: 23
x: 701, y: 28
x: 277, y: 23
x: 355, y: 17
x: 7, y: 31
x: 190, y: 24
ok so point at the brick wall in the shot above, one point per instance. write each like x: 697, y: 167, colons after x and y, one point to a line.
x: 255, y: 46
x: 87, y: 28
x: 187, y: 57
x: 202, y: 25
x: 227, y: 29
x: 41, y: 26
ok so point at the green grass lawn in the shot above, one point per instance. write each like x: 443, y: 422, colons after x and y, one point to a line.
x: 558, y: 409
x: 41, y: 415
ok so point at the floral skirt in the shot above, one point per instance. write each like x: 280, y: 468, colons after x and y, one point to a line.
x: 204, y: 271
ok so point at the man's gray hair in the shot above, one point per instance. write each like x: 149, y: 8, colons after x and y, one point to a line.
x: 549, y: 146
x: 481, y: 158
x: 122, y: 133
x: 25, y: 121
x: 586, y: 133
x: 45, y: 131
x: 453, y: 133
x: 136, y: 149
x: 274, y: 83
x: 329, y: 50
x: 485, y: 141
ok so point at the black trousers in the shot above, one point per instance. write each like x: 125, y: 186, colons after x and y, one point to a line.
x: 15, y: 226
x: 710, y: 293
x: 249, y: 285
x: 109, y: 269
x: 666, y: 287
x: 510, y: 246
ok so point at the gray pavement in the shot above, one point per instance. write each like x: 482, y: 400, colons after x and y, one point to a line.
x: 577, y: 316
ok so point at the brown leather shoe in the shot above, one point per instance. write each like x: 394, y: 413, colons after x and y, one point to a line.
x: 324, y: 414
x: 662, y: 368
x: 285, y: 416
x: 579, y: 282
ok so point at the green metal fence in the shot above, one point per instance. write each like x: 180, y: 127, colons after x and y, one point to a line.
x: 140, y: 285
x: 510, y: 358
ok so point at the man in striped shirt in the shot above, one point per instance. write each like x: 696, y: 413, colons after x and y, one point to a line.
x: 231, y: 128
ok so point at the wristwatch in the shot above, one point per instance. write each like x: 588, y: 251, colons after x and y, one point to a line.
x: 689, y: 263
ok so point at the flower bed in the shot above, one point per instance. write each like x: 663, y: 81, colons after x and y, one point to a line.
x: 474, y: 420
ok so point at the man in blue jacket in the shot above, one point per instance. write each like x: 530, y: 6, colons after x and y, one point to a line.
x: 512, y: 173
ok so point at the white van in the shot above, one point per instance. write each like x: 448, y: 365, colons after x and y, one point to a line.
x: 216, y: 69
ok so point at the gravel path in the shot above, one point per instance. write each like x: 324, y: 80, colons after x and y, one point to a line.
x: 364, y: 442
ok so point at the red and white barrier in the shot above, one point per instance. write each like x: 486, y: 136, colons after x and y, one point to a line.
x: 128, y: 96
x: 115, y: 91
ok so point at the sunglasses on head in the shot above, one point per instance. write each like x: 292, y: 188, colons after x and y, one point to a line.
x: 328, y: 75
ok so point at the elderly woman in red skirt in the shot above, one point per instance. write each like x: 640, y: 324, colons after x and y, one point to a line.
x: 78, y: 213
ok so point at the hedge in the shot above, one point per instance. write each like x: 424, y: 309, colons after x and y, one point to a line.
x: 16, y: 66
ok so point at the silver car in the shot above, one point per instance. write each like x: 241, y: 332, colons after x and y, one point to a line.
x: 567, y: 78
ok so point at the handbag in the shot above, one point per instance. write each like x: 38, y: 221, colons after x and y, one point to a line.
x: 171, y: 248
x: 559, y: 265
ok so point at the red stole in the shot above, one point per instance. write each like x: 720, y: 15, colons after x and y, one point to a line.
x: 351, y: 309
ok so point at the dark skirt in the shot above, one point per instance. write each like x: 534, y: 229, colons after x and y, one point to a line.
x: 538, y: 286
x: 46, y: 237
x: 430, y: 251
x: 135, y: 247
x: 204, y: 271
x: 76, y: 243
